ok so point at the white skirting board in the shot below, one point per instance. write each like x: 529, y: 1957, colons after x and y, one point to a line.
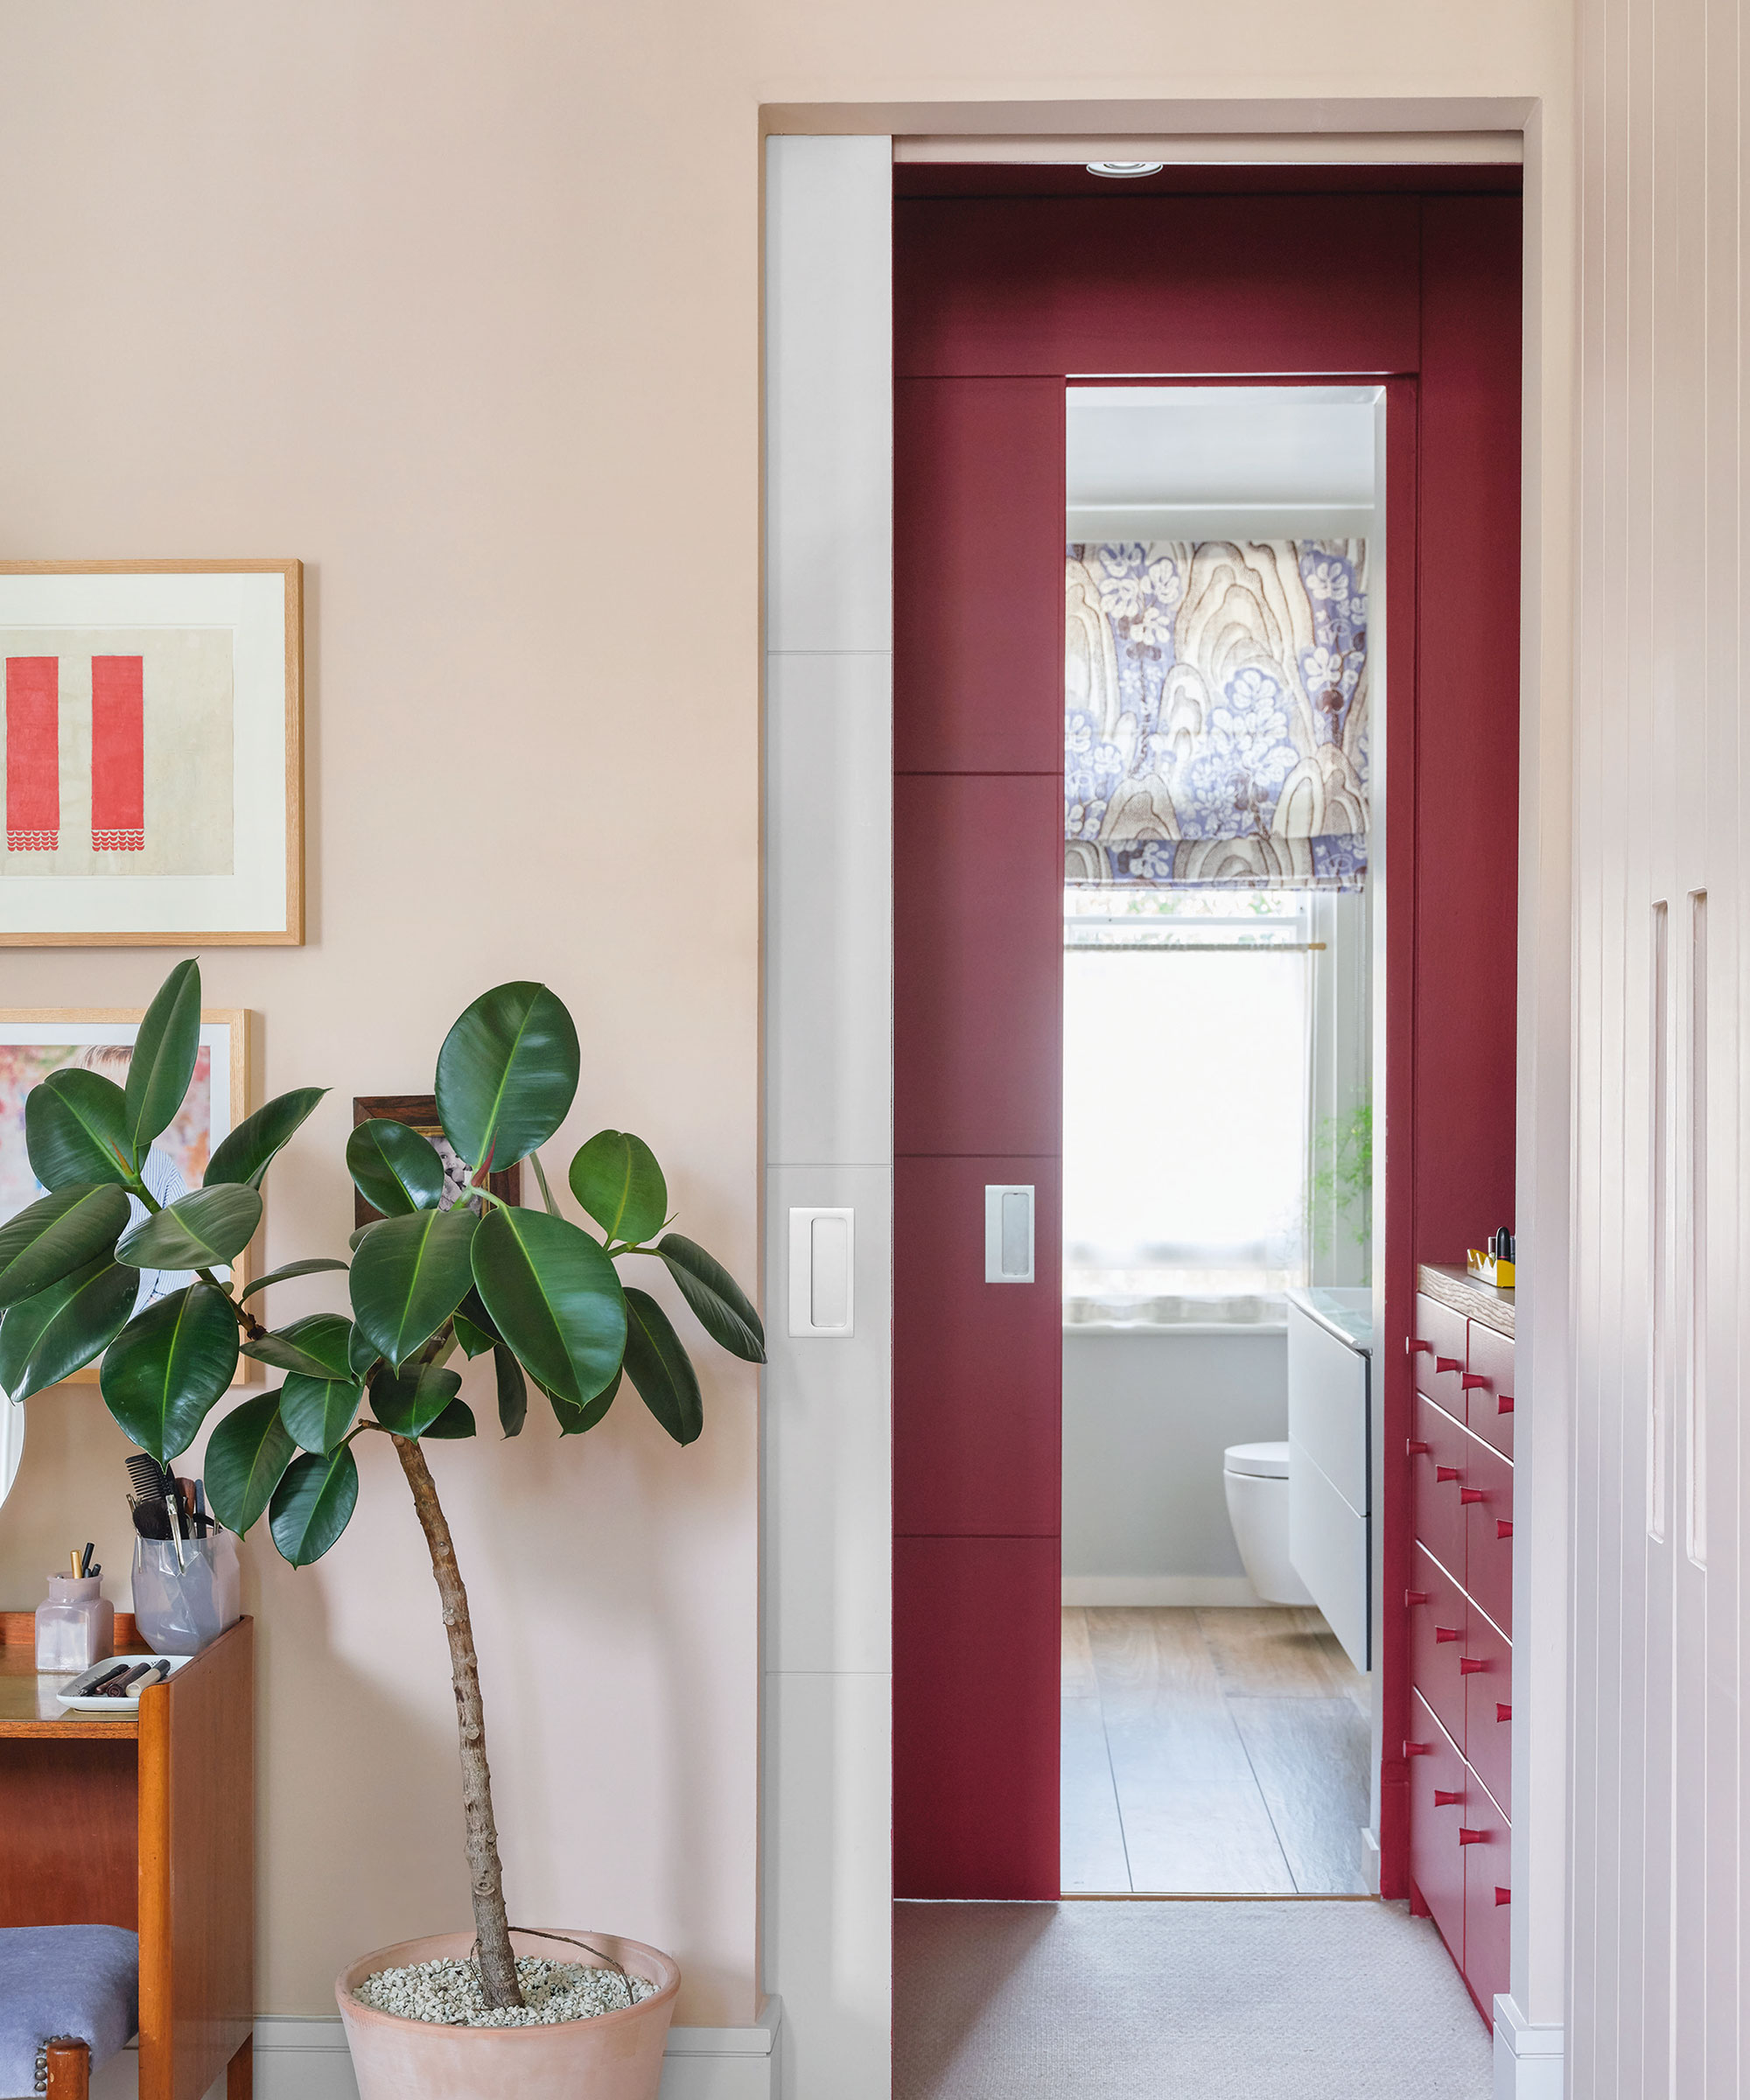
x: 307, y: 2059
x: 1158, y: 1589
x: 1528, y: 2059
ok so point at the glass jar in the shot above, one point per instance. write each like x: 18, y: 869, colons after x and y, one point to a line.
x: 75, y: 1624
x: 180, y: 1605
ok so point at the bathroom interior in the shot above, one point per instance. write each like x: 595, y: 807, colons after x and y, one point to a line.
x: 1219, y: 1205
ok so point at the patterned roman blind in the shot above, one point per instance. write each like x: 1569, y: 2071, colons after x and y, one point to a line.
x: 1215, y: 703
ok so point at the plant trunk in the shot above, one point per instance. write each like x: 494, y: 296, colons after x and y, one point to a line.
x: 486, y: 1876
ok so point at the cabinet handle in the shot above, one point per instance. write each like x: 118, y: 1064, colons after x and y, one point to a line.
x: 1414, y: 1448
x: 1418, y: 1749
x: 1472, y: 1495
x: 1447, y: 1363
x: 1502, y: 1895
x: 1503, y: 1713
x: 1445, y: 1472
x: 1503, y: 1404
x: 1413, y: 1342
x: 1473, y: 1836
x: 1444, y: 1800
x: 1470, y: 1666
x: 1504, y: 1527
x: 1472, y: 1378
x: 1446, y: 1633
x: 1415, y: 1597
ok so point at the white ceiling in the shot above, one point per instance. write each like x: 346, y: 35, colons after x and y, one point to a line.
x: 1221, y: 462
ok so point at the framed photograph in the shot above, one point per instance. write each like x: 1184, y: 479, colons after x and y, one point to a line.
x: 419, y: 1112
x: 35, y: 1042
x: 151, y: 727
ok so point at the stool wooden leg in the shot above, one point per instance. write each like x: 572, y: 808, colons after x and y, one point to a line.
x: 240, y: 2073
x: 69, y: 2069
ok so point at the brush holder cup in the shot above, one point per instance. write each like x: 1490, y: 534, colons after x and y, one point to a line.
x: 75, y: 1624
x: 180, y: 1607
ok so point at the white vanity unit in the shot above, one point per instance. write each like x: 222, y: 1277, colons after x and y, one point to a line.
x: 1330, y: 1349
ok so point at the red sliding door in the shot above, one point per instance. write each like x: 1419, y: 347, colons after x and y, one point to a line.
x: 1000, y: 300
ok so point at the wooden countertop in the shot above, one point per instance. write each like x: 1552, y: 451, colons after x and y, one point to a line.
x: 28, y: 1705
x: 1453, y: 1286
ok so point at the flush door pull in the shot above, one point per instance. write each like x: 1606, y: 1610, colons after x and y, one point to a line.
x: 824, y: 1274
x: 1008, y: 1234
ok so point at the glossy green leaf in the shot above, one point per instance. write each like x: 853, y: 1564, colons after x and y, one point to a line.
x: 249, y: 1151
x: 246, y: 1456
x: 314, y: 1267
x: 319, y: 1346
x: 203, y: 1229
x: 507, y: 1075
x: 457, y: 1420
x: 616, y: 1178
x: 313, y: 1504
x: 393, y: 1168
x: 356, y: 1238
x: 362, y: 1354
x: 163, y: 1063
x: 167, y: 1367
x: 319, y: 1412
x: 723, y: 1308
x: 57, y: 1234
x: 513, y: 1394
x: 474, y: 1329
x: 576, y: 1421
x: 46, y: 1338
x: 410, y: 1276
x: 660, y: 1369
x: 76, y: 1129
x: 409, y: 1405
x: 552, y: 1293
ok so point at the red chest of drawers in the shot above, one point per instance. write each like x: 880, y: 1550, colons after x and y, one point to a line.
x: 1460, y: 1604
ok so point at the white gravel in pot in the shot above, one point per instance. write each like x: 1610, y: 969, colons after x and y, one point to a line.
x: 449, y: 1994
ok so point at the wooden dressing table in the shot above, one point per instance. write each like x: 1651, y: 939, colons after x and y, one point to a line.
x: 146, y: 1823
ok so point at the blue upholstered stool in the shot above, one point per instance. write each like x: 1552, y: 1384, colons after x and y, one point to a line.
x: 64, y: 1983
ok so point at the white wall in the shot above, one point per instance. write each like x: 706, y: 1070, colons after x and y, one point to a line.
x: 1145, y: 1420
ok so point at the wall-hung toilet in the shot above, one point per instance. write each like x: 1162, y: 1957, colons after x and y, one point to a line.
x: 1256, y: 1477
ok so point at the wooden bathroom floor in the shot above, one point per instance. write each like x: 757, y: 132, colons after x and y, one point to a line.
x: 1216, y: 1751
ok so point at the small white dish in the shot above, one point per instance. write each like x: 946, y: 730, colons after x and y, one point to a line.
x: 77, y: 1697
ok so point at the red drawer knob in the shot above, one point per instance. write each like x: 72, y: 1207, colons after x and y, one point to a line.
x: 1418, y: 1749
x: 1415, y: 1448
x: 1447, y: 1363
x: 1443, y: 1800
x: 1445, y: 1472
x: 1446, y: 1633
x: 1473, y: 1836
x: 1503, y: 1713
x: 1504, y: 1527
x: 1470, y: 1494
x: 1502, y: 1895
x: 1503, y: 1404
x: 1415, y: 1597
x: 1413, y: 1342
x: 1470, y: 1379
x: 1469, y: 1666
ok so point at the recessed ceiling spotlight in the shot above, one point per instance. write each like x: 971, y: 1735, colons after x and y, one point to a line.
x: 1125, y: 167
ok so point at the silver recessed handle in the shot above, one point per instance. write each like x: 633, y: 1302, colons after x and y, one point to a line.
x: 1008, y: 1233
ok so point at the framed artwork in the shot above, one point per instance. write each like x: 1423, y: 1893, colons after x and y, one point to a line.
x: 419, y: 1112
x: 151, y: 754
x: 36, y: 1041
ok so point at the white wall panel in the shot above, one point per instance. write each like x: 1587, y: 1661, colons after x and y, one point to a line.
x: 1658, y: 1731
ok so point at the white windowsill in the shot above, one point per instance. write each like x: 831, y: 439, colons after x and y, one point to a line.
x: 1182, y: 1326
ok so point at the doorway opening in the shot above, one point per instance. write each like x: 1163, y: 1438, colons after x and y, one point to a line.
x: 1222, y: 544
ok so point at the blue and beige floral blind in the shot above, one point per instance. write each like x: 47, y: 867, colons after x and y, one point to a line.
x: 1216, y: 715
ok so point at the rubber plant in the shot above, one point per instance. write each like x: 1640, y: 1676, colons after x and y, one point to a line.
x: 540, y: 1295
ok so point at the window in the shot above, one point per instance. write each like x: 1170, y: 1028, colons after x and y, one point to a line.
x: 1186, y: 1040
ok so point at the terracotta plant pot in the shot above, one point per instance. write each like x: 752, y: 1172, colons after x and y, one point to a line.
x: 615, y: 2056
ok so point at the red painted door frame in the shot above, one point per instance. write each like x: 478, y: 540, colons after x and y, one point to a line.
x: 997, y: 303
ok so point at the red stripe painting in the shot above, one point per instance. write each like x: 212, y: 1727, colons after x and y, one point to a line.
x: 32, y: 754
x: 118, y: 755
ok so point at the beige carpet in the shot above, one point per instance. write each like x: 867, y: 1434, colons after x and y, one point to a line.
x: 1157, y: 2001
